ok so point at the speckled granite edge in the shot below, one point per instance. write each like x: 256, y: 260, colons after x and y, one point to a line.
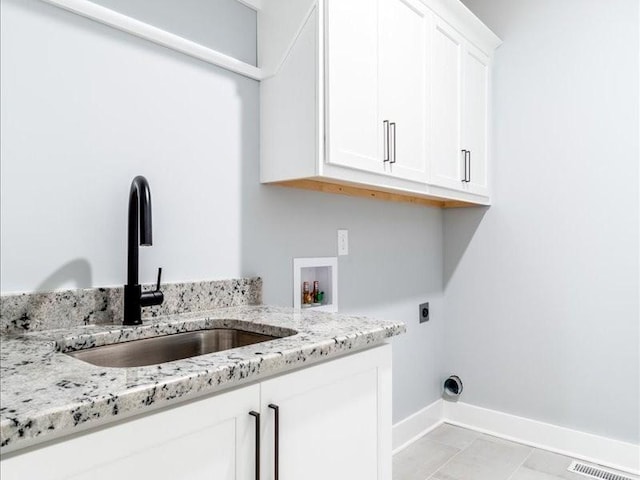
x: 28, y: 312
x: 46, y: 394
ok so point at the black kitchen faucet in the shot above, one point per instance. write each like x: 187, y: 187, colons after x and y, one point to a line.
x: 139, y: 233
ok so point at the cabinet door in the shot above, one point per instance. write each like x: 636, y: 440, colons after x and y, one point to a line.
x: 334, y: 420
x: 206, y: 439
x: 404, y: 28
x: 353, y: 129
x: 447, y: 159
x: 474, y: 118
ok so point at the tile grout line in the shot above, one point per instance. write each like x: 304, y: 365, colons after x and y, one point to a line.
x: 474, y: 441
x: 521, y: 464
x: 451, y: 459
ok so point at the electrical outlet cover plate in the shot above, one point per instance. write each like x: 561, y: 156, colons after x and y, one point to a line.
x: 423, y: 312
x: 343, y: 242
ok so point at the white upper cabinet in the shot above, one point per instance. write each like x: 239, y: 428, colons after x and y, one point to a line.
x: 353, y: 133
x: 447, y: 158
x: 459, y: 115
x: 403, y: 89
x: 475, y: 119
x: 376, y: 98
x: 377, y: 86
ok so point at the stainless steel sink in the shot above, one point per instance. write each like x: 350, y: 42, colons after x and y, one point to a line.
x: 150, y: 351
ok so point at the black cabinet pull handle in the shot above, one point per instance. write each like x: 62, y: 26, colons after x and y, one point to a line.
x: 276, y: 444
x: 256, y: 415
x: 464, y: 160
x: 392, y: 126
x: 469, y: 170
x: 385, y: 140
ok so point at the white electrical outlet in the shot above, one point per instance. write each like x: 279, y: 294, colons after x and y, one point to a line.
x: 343, y: 242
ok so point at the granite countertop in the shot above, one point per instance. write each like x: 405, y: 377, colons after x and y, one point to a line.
x: 45, y: 394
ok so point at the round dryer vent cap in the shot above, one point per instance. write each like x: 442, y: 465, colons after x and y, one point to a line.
x: 453, y: 386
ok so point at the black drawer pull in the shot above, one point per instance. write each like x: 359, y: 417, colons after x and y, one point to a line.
x: 464, y: 159
x: 276, y: 445
x: 256, y: 415
x: 385, y: 140
x: 392, y: 127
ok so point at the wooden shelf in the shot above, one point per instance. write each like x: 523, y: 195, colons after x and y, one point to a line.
x: 367, y: 192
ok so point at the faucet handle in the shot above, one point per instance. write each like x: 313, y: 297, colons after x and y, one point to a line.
x: 159, y: 277
x: 155, y: 297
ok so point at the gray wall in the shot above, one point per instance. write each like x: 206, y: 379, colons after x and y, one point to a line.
x: 85, y: 108
x: 394, y: 264
x: 542, y: 314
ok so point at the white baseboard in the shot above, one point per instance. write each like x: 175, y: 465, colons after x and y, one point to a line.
x: 572, y: 443
x: 407, y: 431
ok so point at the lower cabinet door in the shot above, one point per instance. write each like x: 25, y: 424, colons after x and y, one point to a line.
x: 334, y: 420
x: 213, y: 438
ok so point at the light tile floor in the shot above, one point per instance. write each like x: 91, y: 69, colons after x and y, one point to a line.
x: 454, y: 453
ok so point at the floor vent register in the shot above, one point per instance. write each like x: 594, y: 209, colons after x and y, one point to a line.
x: 595, y: 472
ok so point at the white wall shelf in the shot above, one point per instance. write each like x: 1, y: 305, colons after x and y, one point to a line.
x: 156, y: 35
x: 325, y: 271
x: 252, y: 4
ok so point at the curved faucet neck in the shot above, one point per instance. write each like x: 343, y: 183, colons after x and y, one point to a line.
x: 139, y: 227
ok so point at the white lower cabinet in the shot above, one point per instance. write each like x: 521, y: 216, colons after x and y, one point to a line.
x: 334, y: 422
x: 213, y: 438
